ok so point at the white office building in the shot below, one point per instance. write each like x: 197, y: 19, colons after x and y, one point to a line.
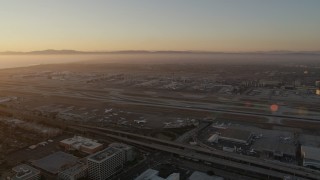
x: 105, y: 163
x: 127, y: 150
x: 75, y: 172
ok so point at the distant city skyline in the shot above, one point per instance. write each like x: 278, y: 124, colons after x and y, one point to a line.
x: 180, y: 25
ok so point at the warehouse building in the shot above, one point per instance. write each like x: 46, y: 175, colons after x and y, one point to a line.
x: 56, y: 162
x: 311, y: 156
x: 275, y: 149
x: 231, y: 137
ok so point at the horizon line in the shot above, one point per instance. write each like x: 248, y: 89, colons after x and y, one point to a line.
x: 73, y: 51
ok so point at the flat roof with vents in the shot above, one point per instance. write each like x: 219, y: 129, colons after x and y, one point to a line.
x: 311, y: 156
x: 104, y: 154
x: 234, y: 135
x: 78, y: 141
x: 55, y: 162
x: 24, y: 171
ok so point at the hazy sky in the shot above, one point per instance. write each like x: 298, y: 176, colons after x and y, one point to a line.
x: 211, y: 25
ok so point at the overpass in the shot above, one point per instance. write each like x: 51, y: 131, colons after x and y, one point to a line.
x: 231, y: 160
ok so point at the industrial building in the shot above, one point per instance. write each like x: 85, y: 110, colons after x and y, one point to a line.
x: 25, y: 172
x: 127, y: 150
x: 56, y: 162
x: 151, y: 174
x: 196, y: 175
x: 231, y: 135
x: 274, y: 148
x: 75, y: 172
x: 269, y: 82
x: 81, y: 144
x: 105, y: 163
x: 311, y: 156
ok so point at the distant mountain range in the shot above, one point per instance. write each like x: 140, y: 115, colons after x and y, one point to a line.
x: 74, y: 52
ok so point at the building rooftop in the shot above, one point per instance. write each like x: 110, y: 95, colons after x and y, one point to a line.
x: 75, y: 169
x: 24, y: 171
x: 275, y: 146
x: 232, y: 133
x: 78, y: 141
x: 203, y: 176
x: 55, y: 162
x: 213, y: 138
x: 120, y: 146
x: 104, y: 154
x: 309, y: 152
x: 151, y: 174
x: 173, y: 176
x: 147, y: 175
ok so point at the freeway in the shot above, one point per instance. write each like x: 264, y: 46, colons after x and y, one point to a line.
x: 116, y: 95
x: 204, y: 158
x: 226, y: 159
x: 206, y: 107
